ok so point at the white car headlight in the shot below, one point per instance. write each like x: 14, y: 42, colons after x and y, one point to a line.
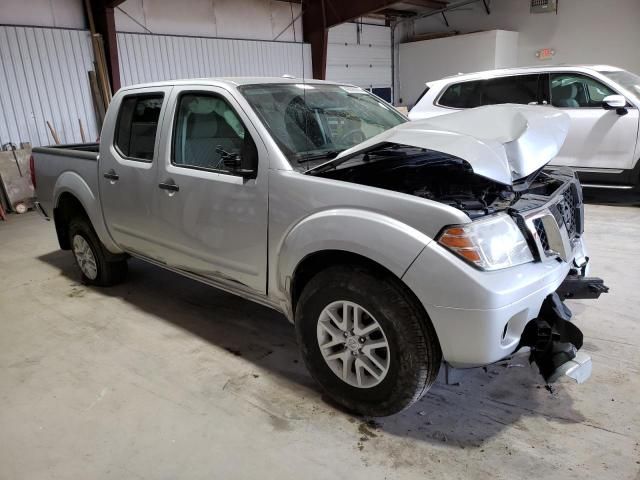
x: 491, y: 243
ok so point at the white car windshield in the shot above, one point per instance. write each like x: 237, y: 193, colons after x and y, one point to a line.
x: 314, y: 122
x: 625, y: 79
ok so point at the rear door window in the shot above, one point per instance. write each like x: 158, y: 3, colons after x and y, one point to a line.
x: 522, y: 89
x: 137, y: 126
x: 462, y: 95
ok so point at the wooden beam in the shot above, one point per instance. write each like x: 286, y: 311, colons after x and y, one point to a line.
x: 315, y: 32
x: 103, y: 19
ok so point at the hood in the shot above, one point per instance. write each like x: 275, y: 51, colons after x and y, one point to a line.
x: 501, y: 142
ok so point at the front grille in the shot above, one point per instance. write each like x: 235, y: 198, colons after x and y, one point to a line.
x: 569, y: 211
x: 542, y: 234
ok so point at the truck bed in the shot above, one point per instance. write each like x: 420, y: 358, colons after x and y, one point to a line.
x: 68, y: 163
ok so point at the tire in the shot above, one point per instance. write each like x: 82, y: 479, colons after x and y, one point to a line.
x: 97, y: 266
x: 412, y: 356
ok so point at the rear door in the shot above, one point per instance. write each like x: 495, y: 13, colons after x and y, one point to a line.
x: 127, y: 168
x: 210, y: 219
x: 599, y: 140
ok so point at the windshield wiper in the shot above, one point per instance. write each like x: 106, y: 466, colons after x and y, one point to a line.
x: 327, y: 155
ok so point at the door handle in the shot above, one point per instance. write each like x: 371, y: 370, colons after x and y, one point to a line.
x: 111, y: 175
x: 169, y: 185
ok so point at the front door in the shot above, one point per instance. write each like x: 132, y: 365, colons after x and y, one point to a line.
x: 127, y: 168
x: 211, y: 213
x: 599, y: 140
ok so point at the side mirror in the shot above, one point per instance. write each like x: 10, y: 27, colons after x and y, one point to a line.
x: 248, y: 159
x: 615, y: 102
x: 244, y: 163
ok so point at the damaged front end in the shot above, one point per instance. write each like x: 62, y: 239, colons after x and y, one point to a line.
x: 551, y: 210
x: 554, y: 342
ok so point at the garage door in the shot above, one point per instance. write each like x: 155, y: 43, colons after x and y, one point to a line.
x: 360, y: 54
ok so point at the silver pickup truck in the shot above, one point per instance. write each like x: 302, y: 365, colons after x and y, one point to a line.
x: 393, y: 246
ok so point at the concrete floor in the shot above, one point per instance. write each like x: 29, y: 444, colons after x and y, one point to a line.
x: 165, y: 378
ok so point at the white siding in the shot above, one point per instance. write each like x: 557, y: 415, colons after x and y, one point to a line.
x: 43, y: 76
x: 244, y: 19
x: 148, y: 58
x: 43, y: 13
x: 583, y: 31
x: 367, y: 62
x: 429, y: 60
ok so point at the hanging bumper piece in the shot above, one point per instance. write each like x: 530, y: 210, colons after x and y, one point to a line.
x: 555, y: 341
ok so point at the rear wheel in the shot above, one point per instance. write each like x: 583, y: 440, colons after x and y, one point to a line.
x: 97, y: 266
x: 366, y: 341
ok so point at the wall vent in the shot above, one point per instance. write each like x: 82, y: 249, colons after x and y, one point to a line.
x: 544, y: 6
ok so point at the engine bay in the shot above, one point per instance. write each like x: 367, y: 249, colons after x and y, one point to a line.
x: 442, y: 178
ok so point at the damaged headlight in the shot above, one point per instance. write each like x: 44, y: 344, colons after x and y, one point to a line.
x: 491, y: 243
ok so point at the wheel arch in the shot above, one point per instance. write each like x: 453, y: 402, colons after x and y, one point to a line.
x: 67, y: 207
x: 368, y: 237
x: 318, y: 261
x: 74, y: 196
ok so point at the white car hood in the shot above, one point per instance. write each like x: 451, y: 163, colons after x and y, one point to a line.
x: 501, y: 142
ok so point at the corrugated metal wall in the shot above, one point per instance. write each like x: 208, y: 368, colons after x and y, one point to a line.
x: 43, y: 73
x: 43, y: 76
x: 363, y: 58
x: 148, y: 58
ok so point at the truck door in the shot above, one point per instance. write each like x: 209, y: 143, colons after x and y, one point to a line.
x: 211, y: 215
x: 599, y: 140
x: 127, y: 168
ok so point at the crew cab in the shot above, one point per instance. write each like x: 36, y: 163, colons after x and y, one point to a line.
x: 603, y: 143
x: 391, y: 245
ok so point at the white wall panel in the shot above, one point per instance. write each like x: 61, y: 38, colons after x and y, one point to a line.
x: 363, y: 60
x: 583, y: 31
x: 43, y: 76
x: 148, y: 58
x: 253, y: 19
x: 429, y: 60
x: 43, y: 13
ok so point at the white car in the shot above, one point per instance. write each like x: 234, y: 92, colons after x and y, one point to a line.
x: 602, y: 101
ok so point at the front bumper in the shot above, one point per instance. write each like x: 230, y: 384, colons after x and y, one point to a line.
x: 480, y: 316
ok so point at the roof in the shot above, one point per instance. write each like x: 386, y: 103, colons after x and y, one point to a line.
x: 531, y: 69
x: 231, y: 82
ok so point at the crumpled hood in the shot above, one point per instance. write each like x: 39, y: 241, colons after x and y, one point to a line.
x: 501, y: 142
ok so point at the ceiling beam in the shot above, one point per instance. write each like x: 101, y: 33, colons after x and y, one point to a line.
x: 391, y: 12
x: 113, y: 3
x: 426, y: 3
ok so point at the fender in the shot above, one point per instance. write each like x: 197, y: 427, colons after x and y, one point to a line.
x: 380, y: 238
x: 71, y: 182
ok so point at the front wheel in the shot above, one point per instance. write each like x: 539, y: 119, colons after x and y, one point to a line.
x: 97, y: 266
x: 366, y: 341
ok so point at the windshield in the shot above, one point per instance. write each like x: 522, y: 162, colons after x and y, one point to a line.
x: 625, y: 79
x: 314, y: 122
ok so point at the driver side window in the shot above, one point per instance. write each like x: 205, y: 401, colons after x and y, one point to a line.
x: 209, y: 135
x: 575, y: 91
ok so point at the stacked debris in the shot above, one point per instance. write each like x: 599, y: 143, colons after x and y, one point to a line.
x: 16, y: 189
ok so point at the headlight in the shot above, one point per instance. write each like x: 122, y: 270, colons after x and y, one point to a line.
x: 492, y: 243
